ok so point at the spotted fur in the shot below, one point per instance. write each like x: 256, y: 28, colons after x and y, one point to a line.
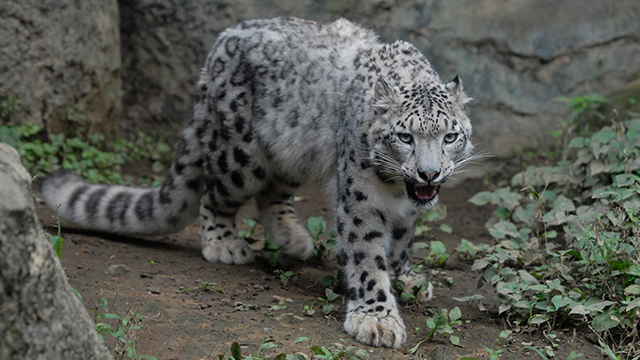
x: 284, y: 102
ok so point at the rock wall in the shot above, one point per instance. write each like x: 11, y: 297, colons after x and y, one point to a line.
x: 514, y: 56
x: 40, y: 317
x: 61, y: 58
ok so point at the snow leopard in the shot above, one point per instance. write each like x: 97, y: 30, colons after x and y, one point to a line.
x: 285, y: 102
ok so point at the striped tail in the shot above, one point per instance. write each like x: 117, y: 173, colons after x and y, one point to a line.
x: 126, y: 210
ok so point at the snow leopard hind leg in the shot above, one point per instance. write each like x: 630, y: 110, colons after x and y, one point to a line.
x: 280, y: 219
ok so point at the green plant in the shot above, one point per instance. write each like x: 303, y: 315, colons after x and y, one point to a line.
x: 437, y: 254
x: 410, y: 294
x: 285, y: 276
x: 10, y: 108
x: 591, y: 200
x: 271, y: 251
x: 493, y: 354
x: 434, y: 214
x: 265, y: 344
x: 441, y: 323
x: 339, y: 351
x: 56, y: 243
x: 327, y: 307
x: 204, y: 287
x: 122, y: 330
x: 323, y: 248
x: 43, y: 153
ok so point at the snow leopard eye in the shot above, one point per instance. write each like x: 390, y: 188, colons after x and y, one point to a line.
x: 405, y: 138
x: 450, y: 138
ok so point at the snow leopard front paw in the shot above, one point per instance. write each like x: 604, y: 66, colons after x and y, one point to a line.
x: 377, y: 328
x: 410, y: 280
x: 228, y: 251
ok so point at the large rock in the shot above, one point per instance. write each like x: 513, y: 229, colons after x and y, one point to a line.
x: 62, y: 59
x: 40, y: 317
x: 514, y: 56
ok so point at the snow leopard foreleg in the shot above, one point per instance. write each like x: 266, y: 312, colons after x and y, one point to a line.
x: 372, y: 313
x: 280, y: 219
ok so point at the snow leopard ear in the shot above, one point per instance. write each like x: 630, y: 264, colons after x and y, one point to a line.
x: 455, y: 90
x: 385, y: 97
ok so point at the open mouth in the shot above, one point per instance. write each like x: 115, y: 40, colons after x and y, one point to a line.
x: 422, y: 193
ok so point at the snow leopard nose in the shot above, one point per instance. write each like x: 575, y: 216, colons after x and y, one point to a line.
x: 428, y: 176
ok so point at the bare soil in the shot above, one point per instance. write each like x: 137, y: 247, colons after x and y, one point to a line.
x: 202, y: 323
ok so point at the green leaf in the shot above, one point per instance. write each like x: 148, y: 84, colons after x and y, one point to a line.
x: 235, y: 351
x: 632, y: 290
x: 455, y: 314
x: 603, y: 136
x: 316, y: 226
x: 108, y: 316
x: 446, y: 228
x: 454, y: 340
x: 481, y: 198
x: 438, y: 247
x: 605, y: 321
x: 468, y: 298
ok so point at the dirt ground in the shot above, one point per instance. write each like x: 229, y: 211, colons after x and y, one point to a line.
x: 201, y: 324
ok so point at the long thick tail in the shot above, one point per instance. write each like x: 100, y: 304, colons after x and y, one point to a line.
x: 125, y: 210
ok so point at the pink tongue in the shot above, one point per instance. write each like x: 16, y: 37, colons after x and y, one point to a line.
x: 425, y: 192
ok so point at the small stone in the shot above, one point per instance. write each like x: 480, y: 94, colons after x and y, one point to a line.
x: 117, y: 269
x: 147, y: 276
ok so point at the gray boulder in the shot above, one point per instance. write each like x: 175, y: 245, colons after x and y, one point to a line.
x: 61, y: 58
x: 40, y: 317
x: 514, y: 57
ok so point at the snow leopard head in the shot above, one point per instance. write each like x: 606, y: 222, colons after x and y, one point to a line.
x: 422, y: 136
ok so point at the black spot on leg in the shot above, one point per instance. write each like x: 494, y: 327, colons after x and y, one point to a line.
x: 372, y: 235
x: 357, y: 221
x: 371, y: 284
x: 361, y: 293
x: 343, y: 258
x: 382, y: 297
x: 360, y: 196
x: 379, y: 308
x: 237, y: 179
x: 240, y: 156
x: 380, y: 263
x: 358, y: 256
x: 259, y: 173
x: 222, y: 188
x: 399, y: 233
x: 403, y: 255
x: 352, y: 237
x: 193, y: 184
x: 353, y: 295
x: 223, y: 166
x: 340, y: 227
x: 363, y: 276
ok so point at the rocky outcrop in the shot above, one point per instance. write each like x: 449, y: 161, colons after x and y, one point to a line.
x: 40, y: 317
x: 61, y: 58
x: 514, y: 56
